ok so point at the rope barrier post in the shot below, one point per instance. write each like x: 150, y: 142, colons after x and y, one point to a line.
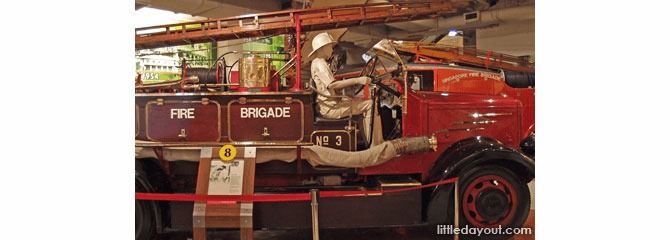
x: 314, y: 194
x: 456, y: 209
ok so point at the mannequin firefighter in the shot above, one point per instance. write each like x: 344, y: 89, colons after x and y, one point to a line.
x: 335, y: 108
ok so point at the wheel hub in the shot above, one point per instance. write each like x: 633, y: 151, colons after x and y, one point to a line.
x: 489, y: 201
x: 492, y: 204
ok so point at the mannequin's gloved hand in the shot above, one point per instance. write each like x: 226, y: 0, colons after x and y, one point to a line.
x: 364, y: 80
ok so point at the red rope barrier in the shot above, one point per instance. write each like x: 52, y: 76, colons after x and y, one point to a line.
x: 272, y: 197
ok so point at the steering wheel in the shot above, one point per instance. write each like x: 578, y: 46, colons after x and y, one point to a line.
x: 369, y: 71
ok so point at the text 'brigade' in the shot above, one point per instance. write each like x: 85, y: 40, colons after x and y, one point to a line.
x: 276, y: 112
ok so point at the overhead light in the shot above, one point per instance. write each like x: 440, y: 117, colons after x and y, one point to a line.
x: 148, y: 16
x: 452, y: 33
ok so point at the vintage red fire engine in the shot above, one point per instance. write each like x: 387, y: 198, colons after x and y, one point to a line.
x: 430, y: 136
x: 434, y: 130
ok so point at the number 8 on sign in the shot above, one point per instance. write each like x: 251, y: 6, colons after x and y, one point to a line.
x: 227, y: 152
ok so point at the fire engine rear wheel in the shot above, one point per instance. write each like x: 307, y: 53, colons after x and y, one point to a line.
x: 491, y: 196
x: 144, y: 219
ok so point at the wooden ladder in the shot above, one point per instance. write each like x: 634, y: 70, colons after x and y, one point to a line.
x: 486, y: 59
x: 282, y: 22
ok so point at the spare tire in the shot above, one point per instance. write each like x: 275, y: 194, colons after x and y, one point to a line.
x: 520, y: 79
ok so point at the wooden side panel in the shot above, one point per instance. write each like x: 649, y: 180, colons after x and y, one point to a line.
x: 266, y: 120
x: 190, y: 121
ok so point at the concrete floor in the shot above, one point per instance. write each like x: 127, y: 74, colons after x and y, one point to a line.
x: 416, y: 233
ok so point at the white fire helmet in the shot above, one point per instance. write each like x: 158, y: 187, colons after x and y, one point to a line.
x: 319, y: 41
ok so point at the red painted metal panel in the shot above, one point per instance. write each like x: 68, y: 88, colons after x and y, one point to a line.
x: 527, y: 98
x: 452, y: 117
x: 467, y: 81
x: 412, y: 121
x: 234, y: 78
x: 454, y: 124
x: 485, y: 82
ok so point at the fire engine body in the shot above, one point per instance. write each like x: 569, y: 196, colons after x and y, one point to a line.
x: 474, y: 137
x: 192, y: 119
x: 477, y: 139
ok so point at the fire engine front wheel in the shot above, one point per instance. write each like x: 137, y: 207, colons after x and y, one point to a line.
x: 144, y: 221
x: 489, y: 197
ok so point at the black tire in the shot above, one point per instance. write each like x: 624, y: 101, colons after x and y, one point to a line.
x: 144, y: 217
x: 528, y: 145
x: 490, y: 196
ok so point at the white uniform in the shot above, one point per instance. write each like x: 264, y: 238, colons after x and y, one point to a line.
x: 338, y: 107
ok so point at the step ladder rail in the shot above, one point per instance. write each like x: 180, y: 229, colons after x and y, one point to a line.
x: 471, y: 56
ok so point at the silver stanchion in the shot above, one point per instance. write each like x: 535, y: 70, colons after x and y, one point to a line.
x: 314, y: 193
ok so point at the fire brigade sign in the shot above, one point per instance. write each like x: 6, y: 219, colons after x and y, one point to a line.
x: 190, y: 121
x: 266, y: 120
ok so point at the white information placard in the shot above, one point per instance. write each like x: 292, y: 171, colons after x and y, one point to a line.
x: 225, y: 178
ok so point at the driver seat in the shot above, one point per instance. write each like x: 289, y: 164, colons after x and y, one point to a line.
x: 351, y: 123
x: 320, y: 119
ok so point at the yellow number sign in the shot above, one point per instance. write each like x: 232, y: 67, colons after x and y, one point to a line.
x: 227, y: 152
